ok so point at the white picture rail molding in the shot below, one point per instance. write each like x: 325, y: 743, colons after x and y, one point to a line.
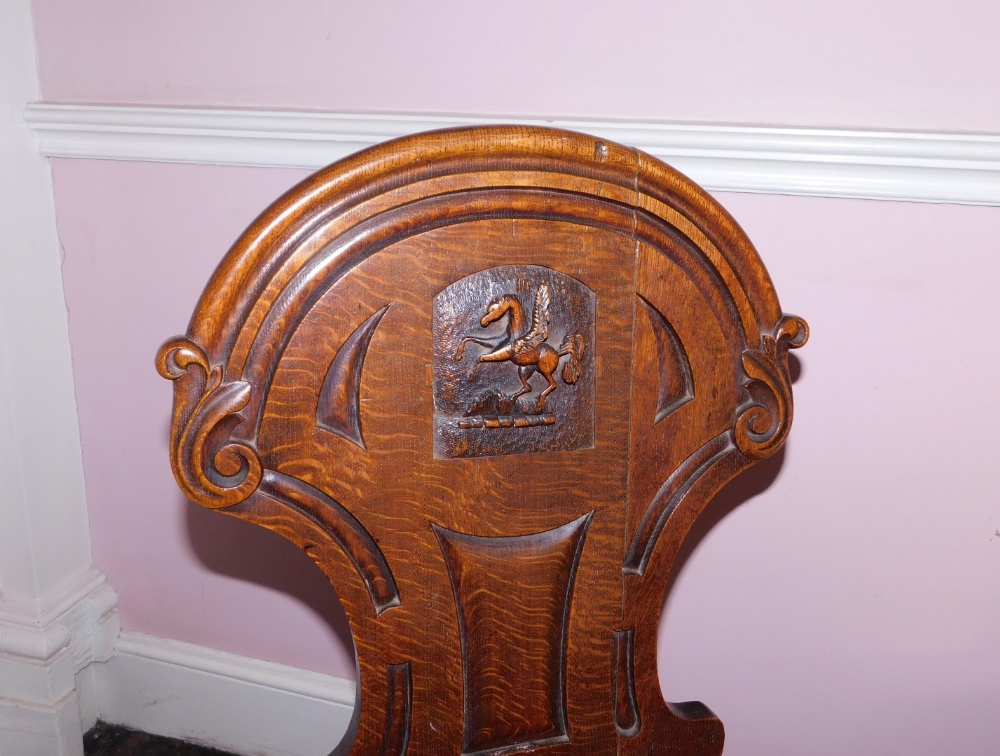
x: 885, y: 165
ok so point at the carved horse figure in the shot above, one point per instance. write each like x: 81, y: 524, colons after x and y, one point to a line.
x: 527, y: 348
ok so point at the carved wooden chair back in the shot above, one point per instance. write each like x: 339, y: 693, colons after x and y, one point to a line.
x: 487, y: 379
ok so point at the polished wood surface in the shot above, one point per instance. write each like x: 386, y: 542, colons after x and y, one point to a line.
x: 487, y: 379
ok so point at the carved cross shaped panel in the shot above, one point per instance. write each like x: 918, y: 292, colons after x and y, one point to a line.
x: 487, y: 379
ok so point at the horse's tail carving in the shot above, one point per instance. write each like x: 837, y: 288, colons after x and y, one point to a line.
x: 573, y: 346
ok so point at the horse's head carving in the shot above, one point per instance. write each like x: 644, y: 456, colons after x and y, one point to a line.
x: 496, y: 310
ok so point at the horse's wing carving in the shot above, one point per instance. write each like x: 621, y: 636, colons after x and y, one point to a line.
x: 539, y: 323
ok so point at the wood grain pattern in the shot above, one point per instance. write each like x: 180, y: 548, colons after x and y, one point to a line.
x: 487, y: 569
x: 399, y: 710
x: 339, y: 408
x: 342, y: 528
x: 676, y: 381
x: 513, y: 596
x: 663, y: 504
x: 628, y: 720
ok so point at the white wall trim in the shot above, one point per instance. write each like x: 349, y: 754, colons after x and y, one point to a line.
x: 887, y: 165
x: 82, y: 617
x: 221, y: 699
x: 57, y: 613
x: 45, y: 648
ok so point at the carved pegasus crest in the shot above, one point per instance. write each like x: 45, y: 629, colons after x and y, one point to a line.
x: 527, y: 347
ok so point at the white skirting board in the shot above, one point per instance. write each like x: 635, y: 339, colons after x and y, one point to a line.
x: 220, y: 699
x: 888, y: 165
x: 46, y: 646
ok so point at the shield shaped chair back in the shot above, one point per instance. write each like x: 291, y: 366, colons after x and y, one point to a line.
x: 487, y: 379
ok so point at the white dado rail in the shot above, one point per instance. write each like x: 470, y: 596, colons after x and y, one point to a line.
x: 885, y: 165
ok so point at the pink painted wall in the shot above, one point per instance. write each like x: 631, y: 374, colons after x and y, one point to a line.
x: 140, y: 242
x: 853, y: 606
x: 909, y: 64
x: 845, y: 599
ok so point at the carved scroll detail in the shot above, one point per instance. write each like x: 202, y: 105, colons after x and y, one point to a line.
x: 513, y: 597
x: 762, y: 425
x: 212, y: 469
x: 398, y: 710
x: 344, y: 529
x: 627, y: 719
x: 676, y: 386
x: 339, y: 409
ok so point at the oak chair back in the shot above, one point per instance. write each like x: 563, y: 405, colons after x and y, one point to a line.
x: 487, y: 379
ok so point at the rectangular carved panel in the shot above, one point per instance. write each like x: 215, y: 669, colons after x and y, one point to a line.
x: 513, y: 363
x: 513, y: 596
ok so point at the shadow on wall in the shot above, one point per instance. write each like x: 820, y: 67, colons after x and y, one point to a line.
x: 254, y: 554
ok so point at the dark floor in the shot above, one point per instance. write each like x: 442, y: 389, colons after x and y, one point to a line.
x: 111, y: 740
